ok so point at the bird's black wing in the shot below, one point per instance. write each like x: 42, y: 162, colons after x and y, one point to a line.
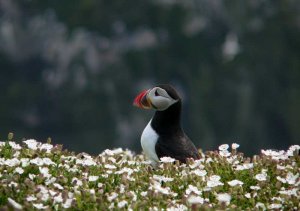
x: 179, y: 148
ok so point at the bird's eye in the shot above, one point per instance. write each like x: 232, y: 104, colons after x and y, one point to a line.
x: 156, y: 93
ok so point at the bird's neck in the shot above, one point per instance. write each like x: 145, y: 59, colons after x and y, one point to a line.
x: 167, y: 121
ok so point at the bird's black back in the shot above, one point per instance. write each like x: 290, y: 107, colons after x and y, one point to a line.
x: 172, y: 141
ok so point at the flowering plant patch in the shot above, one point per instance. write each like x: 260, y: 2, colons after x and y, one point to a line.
x: 39, y: 176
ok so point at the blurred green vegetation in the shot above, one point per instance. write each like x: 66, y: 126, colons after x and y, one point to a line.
x: 70, y: 70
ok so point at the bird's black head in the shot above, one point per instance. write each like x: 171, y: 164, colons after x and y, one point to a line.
x: 170, y: 90
x: 160, y: 97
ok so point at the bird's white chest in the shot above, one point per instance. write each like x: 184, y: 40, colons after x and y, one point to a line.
x: 148, y: 141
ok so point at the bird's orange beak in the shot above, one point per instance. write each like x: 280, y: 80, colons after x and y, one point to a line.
x: 142, y: 101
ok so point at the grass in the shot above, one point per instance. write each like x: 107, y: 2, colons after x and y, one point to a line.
x: 36, y: 176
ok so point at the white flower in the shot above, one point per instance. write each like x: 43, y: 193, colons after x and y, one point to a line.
x: 270, y: 152
x: 77, y: 182
x: 223, y: 147
x: 167, y: 160
x: 225, y: 153
x: 144, y: 193
x: 214, y: 178
x: 12, y: 162
x: 291, y: 178
x: 192, y: 189
x: 13, y: 184
x: 93, y: 178
x: 70, y: 194
x: 74, y: 170
x: 195, y: 200
x: 45, y: 197
x: 50, y: 180
x: 89, y: 162
x: 104, y: 175
x: 48, y: 161
x: 31, y: 176
x: 291, y: 192
x: 279, y: 167
x: 277, y: 199
x: 133, y: 195
x: 46, y: 147
x: 261, y: 177
x: 224, y: 197
x: 131, y: 162
x: 197, y: 163
x: 245, y: 166
x: 111, y: 206
x: 58, y: 199
x: 14, y: 204
x: 122, y: 204
x: 67, y: 204
x: 109, y: 166
x: 248, y: 195
x: 177, y: 207
x: 42, y: 189
x: 31, y: 198
x: 281, y: 179
x: 112, y: 159
x: 260, y: 205
x: 19, y: 170
x: 248, y: 165
x: 274, y: 206
x: 233, y: 160
x: 157, y: 188
x: 53, y: 193
x: 255, y: 188
x: 209, y: 160
x: 275, y: 155
x: 211, y: 183
x: 112, y: 152
x: 16, y: 154
x: 92, y: 191
x: 45, y: 172
x: 235, y: 183
x: 200, y: 173
x: 291, y: 150
x: 31, y: 144
x: 14, y: 145
x: 129, y: 171
x: 86, y: 161
x: 68, y: 159
x: 122, y: 188
x: 112, y: 196
x: 37, y: 161
x: 25, y: 162
x: 235, y: 146
x: 109, y: 171
x: 214, y: 181
x: 58, y: 186
x: 239, y: 168
x: 162, y: 178
x: 40, y: 206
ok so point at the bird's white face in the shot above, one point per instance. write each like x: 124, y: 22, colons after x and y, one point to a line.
x: 160, y: 99
x: 156, y: 98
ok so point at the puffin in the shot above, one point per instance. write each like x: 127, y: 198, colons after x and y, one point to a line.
x: 163, y: 136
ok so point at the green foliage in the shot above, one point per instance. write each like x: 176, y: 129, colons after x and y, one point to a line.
x: 7, y: 151
x: 43, y: 176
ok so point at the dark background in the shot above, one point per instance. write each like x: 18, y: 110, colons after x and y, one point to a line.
x: 70, y: 70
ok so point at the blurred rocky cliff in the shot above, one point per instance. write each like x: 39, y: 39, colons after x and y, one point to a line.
x: 70, y: 70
